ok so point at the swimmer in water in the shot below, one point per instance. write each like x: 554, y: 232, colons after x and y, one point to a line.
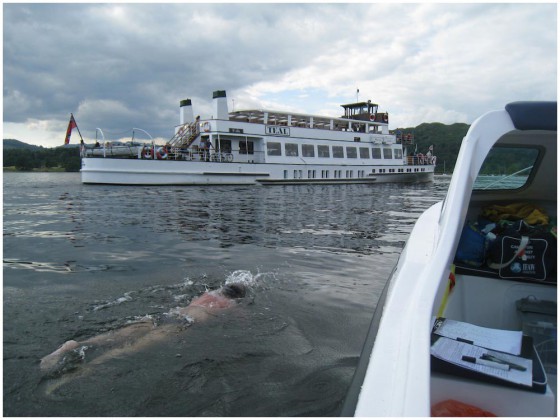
x: 140, y: 334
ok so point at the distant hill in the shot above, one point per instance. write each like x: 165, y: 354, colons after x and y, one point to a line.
x: 446, y: 140
x: 16, y: 144
x: 27, y: 157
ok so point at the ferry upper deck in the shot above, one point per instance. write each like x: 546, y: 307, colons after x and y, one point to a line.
x: 358, y: 117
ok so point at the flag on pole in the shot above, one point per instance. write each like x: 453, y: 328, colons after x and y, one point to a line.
x: 71, y: 125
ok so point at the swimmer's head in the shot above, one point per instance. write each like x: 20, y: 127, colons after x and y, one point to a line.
x: 234, y: 290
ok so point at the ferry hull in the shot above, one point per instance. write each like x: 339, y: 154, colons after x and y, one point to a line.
x: 164, y: 172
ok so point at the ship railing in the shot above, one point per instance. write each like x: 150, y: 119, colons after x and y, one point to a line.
x: 199, y: 154
x: 405, y: 139
x: 117, y: 149
x: 188, y: 154
x: 421, y: 159
x: 185, y: 135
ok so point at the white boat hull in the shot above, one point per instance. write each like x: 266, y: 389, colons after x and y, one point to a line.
x: 168, y: 172
x: 395, y: 376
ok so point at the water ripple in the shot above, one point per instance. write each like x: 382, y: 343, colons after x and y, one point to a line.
x: 66, y: 267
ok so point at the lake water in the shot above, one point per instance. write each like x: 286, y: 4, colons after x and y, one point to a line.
x: 80, y: 260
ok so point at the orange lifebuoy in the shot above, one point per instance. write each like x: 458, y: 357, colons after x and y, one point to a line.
x: 161, y: 153
x: 147, y: 153
x: 372, y: 117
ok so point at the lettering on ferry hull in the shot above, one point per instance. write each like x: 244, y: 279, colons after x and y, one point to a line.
x: 273, y: 130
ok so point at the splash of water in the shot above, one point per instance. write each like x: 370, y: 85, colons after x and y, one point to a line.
x: 126, y: 298
x: 242, y: 276
x: 178, y: 314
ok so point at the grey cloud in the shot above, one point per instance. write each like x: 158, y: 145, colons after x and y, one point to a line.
x: 147, y: 57
x: 128, y: 65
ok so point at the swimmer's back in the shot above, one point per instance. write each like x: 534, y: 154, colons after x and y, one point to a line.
x: 212, y: 300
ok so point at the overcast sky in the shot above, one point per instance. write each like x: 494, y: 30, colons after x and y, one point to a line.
x: 119, y: 66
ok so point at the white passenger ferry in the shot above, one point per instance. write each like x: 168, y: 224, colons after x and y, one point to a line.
x: 265, y: 147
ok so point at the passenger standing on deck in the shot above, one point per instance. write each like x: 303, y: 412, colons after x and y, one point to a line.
x: 197, y: 124
x: 207, y: 147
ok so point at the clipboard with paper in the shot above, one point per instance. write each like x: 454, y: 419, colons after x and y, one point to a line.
x: 491, y: 355
x: 493, y: 339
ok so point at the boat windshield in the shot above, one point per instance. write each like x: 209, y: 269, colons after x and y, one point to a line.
x: 506, y: 168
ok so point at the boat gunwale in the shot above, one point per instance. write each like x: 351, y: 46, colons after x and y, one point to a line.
x: 383, y: 397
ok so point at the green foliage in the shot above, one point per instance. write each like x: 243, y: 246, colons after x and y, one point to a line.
x: 30, y: 158
x: 16, y: 144
x: 446, y: 140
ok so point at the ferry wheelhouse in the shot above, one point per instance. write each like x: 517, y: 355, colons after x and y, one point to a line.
x: 265, y: 147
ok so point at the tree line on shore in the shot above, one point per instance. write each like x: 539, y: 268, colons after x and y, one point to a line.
x: 446, y: 140
x: 25, y: 157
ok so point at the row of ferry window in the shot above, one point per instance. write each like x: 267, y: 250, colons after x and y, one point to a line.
x: 325, y: 173
x: 324, y: 151
x: 312, y: 174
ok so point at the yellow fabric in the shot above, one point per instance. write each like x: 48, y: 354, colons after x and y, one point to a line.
x: 530, y: 213
x: 448, y: 289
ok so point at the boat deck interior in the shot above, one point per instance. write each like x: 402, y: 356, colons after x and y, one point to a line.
x: 482, y: 298
x: 482, y: 266
x: 492, y: 298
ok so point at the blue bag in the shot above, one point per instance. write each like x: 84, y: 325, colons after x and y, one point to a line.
x: 472, y: 247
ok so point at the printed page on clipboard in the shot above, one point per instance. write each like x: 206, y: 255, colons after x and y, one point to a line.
x: 516, y: 369
x: 500, y: 340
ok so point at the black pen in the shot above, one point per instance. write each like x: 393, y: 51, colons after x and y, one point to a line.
x: 515, y: 366
x: 484, y: 362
